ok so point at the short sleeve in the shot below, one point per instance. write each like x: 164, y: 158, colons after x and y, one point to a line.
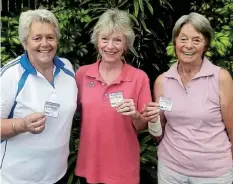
x: 68, y: 65
x: 79, y: 78
x: 8, y: 85
x: 144, y: 94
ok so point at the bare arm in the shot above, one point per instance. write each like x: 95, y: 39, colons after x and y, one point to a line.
x: 33, y: 123
x: 9, y: 130
x: 226, y: 102
x: 157, y: 93
x: 127, y: 108
x: 140, y: 123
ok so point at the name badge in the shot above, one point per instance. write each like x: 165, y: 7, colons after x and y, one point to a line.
x: 51, y: 109
x: 115, y: 98
x: 165, y: 104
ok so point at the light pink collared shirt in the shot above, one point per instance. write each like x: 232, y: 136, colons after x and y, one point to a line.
x: 195, y: 142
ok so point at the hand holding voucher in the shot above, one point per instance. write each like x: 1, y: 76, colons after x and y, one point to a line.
x: 34, y: 123
x: 151, y: 112
x: 127, y: 107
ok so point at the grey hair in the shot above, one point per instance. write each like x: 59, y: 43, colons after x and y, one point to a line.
x: 111, y: 21
x: 39, y: 15
x: 199, y: 22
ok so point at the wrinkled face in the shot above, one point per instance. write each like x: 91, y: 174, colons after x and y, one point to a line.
x: 41, y: 43
x: 190, y: 45
x: 111, y: 47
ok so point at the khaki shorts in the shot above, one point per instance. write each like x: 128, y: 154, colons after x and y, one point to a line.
x: 168, y: 176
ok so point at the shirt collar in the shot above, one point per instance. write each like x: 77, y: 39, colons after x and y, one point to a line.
x: 207, y: 69
x: 26, y: 64
x: 126, y: 73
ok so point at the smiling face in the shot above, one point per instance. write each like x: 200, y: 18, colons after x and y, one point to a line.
x: 111, y: 46
x: 41, y: 43
x: 190, y: 45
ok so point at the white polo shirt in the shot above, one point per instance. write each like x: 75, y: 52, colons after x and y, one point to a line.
x: 36, y: 158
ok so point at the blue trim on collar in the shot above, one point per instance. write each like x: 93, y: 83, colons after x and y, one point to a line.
x: 59, y: 64
x: 26, y: 64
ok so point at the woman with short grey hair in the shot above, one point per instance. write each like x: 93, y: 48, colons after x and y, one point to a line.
x: 200, y: 23
x: 36, y: 116
x: 196, y: 101
x: 40, y: 15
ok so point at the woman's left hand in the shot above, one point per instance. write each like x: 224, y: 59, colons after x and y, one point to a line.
x: 151, y: 112
x: 127, y: 107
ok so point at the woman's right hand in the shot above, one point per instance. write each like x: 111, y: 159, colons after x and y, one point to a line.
x: 34, y: 123
x: 151, y: 112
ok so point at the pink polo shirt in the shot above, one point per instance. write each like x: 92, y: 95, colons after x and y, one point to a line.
x: 195, y: 142
x: 109, y: 151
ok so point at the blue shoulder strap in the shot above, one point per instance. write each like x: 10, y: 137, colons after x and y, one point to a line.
x: 20, y: 87
x: 68, y: 72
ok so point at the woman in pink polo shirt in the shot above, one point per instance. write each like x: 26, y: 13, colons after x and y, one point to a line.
x: 112, y: 95
x: 196, y: 99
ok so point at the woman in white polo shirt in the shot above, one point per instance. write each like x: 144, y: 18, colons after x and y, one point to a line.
x: 36, y: 115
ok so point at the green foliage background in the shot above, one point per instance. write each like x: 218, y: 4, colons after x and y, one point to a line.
x: 153, y: 51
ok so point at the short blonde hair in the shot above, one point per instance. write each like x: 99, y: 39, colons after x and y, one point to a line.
x: 40, y: 15
x: 199, y: 22
x: 111, y: 21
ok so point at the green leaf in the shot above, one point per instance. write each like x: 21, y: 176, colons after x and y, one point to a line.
x: 78, y: 181
x: 220, y: 46
x: 218, y: 35
x: 122, y: 3
x: 144, y: 26
x: 226, y: 27
x: 171, y: 50
x: 5, y: 58
x: 2, y: 49
x: 226, y: 41
x: 134, y: 19
x: 156, y: 66
x: 161, y: 23
x: 3, y: 39
x: 134, y: 52
x: 213, y: 43
x: 145, y: 140
x: 136, y: 8
x: 70, y: 180
x: 151, y: 158
x: 140, y: 2
x: 72, y: 160
x: 16, y: 41
x: 152, y: 148
x: 150, y: 8
x: 209, y: 54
